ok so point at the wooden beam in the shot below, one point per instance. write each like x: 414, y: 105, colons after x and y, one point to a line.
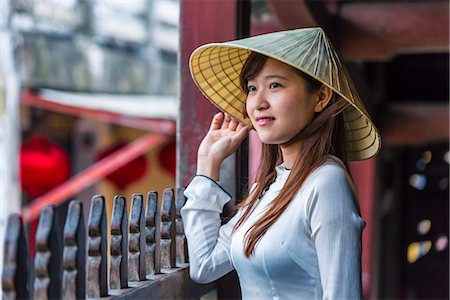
x: 378, y: 31
x: 155, y: 125
x: 372, y: 30
x: 415, y: 124
x: 292, y: 14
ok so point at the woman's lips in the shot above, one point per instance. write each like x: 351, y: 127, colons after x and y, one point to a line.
x: 264, y: 121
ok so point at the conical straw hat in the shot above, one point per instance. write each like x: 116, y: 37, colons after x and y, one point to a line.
x: 216, y: 67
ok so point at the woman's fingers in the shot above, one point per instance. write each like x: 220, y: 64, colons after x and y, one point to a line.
x: 241, y: 132
x: 217, y: 119
x: 240, y: 126
x: 226, y: 121
x: 233, y: 124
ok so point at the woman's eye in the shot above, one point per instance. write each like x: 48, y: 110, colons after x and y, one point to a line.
x: 251, y: 88
x: 274, y: 85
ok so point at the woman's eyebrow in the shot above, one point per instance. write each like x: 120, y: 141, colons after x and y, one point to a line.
x: 270, y: 77
x: 274, y: 76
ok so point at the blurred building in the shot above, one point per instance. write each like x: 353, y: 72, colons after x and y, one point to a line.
x: 84, y: 79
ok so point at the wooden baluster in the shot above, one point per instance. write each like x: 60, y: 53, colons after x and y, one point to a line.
x: 168, y: 250
x: 152, y: 234
x: 74, y: 253
x: 136, y: 258
x: 181, y: 257
x: 119, y: 244
x: 97, y: 264
x: 15, y: 261
x: 47, y: 260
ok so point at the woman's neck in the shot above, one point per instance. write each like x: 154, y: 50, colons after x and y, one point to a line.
x: 290, y: 153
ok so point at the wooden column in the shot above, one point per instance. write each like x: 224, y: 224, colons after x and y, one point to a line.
x: 202, y: 21
x: 47, y: 260
x: 168, y: 249
x: 136, y: 245
x: 199, y: 24
x: 152, y: 234
x: 119, y: 244
x: 97, y: 264
x: 181, y: 244
x: 15, y: 260
x: 363, y: 173
x: 74, y: 253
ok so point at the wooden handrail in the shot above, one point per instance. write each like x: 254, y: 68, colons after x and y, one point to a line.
x: 147, y: 253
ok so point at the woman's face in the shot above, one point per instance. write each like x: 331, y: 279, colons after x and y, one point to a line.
x: 278, y: 103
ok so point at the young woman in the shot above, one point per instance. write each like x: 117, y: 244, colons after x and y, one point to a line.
x: 297, y: 234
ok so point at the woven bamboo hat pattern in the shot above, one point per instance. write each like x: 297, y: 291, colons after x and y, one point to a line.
x: 216, y: 67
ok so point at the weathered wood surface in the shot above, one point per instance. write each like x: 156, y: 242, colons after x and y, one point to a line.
x: 181, y: 246
x: 97, y: 265
x: 119, y: 244
x: 15, y: 261
x: 152, y: 234
x: 175, y: 284
x: 74, y: 253
x: 149, y: 232
x: 48, y: 257
x: 168, y: 246
x: 136, y: 246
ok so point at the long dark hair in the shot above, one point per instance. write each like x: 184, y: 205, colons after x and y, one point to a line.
x: 322, y: 136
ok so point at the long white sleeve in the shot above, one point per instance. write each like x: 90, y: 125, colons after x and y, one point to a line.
x: 208, y: 241
x: 336, y: 230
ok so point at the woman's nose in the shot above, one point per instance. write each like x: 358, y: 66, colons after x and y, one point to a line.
x: 259, y: 101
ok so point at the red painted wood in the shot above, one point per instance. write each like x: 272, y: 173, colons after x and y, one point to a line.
x: 381, y: 30
x: 416, y: 124
x: 363, y: 173
x: 371, y: 30
x: 156, y: 125
x: 92, y: 174
x: 202, y: 21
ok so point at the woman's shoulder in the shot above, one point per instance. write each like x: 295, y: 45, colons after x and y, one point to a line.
x: 331, y: 190
x: 332, y: 171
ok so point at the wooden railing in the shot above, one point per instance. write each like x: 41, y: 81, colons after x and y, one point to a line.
x: 147, y: 253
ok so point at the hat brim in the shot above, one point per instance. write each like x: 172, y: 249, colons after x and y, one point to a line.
x: 216, y: 67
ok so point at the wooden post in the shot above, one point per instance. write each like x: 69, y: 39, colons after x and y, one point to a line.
x: 168, y: 250
x: 152, y: 234
x: 181, y: 248
x: 97, y: 264
x: 74, y: 253
x: 47, y: 260
x: 136, y: 258
x: 15, y: 261
x: 119, y: 244
x: 198, y: 26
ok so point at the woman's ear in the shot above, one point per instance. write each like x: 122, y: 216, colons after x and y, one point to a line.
x: 323, y: 98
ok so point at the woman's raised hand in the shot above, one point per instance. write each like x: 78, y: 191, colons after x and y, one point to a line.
x: 222, y: 140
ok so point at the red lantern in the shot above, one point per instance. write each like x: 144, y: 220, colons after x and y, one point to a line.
x: 167, y: 157
x: 43, y: 166
x: 127, y: 174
